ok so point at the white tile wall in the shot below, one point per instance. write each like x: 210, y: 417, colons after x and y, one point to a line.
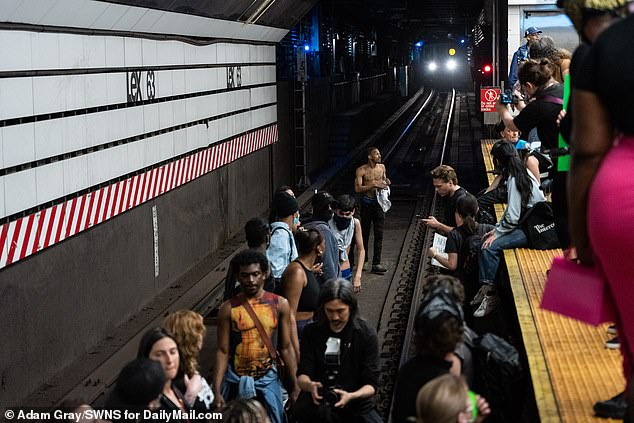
x: 221, y: 53
x: 16, y: 97
x: 130, y: 18
x: 171, y: 52
x: 95, y: 51
x: 151, y: 118
x: 49, y: 182
x: 49, y: 138
x: 48, y: 94
x: 96, y: 90
x: 97, y: 128
x: 70, y: 48
x: 115, y: 52
x: 180, y: 111
x: 192, y: 137
x: 166, y: 145
x: 117, y: 91
x: 133, y: 51
x: 134, y: 117
x: 75, y: 133
x: 136, y: 155
x: 149, y: 52
x: 45, y: 50
x: 74, y: 92
x: 18, y: 144
x: 15, y: 50
x: 19, y: 191
x: 117, y: 159
x: 166, y: 114
x: 99, y: 167
x: 163, y: 83
x: 180, y: 142
x: 153, y: 150
x: 117, y: 124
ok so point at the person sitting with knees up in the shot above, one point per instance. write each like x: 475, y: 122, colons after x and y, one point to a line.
x: 346, y: 228
x: 523, y: 193
x: 189, y: 330
x: 464, y: 243
x: 299, y: 283
x: 447, y: 399
x: 439, y: 328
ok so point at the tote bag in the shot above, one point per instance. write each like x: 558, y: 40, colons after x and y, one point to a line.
x: 579, y: 292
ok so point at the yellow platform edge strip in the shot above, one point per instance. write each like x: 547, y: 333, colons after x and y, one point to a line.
x: 542, y: 387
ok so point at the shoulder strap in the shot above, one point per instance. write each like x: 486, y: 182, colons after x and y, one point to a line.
x: 551, y: 99
x: 290, y: 240
x: 265, y: 337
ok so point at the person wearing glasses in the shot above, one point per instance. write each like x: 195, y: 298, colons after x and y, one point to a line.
x: 346, y: 228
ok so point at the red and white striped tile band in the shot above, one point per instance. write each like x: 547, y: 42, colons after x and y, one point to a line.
x: 33, y: 233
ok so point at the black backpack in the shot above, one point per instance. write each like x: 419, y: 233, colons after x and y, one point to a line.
x: 469, y: 252
x: 499, y: 377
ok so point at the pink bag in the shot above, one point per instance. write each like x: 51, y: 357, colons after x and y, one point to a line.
x: 579, y: 292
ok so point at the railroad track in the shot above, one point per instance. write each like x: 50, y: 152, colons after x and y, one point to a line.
x: 411, y: 145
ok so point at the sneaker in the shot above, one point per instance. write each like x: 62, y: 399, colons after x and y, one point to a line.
x: 612, y: 329
x: 614, y: 408
x: 613, y: 344
x: 479, y: 296
x: 378, y: 269
x: 489, y: 304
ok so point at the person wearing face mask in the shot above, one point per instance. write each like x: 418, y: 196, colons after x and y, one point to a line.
x: 346, y: 228
x: 322, y: 213
x: 282, y: 249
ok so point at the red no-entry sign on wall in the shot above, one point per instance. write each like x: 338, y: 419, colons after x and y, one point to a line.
x: 488, y: 98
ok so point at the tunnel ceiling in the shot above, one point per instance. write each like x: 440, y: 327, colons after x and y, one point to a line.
x: 414, y: 18
x: 280, y: 13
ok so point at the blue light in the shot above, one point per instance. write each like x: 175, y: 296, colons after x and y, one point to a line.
x: 462, y: 41
x: 306, y: 47
x: 419, y: 44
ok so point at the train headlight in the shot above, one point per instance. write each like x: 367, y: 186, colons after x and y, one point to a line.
x: 451, y: 64
x: 432, y: 66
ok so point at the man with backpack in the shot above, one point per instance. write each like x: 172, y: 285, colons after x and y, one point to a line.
x: 282, y: 250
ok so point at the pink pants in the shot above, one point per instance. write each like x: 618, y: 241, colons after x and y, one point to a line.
x: 611, y: 232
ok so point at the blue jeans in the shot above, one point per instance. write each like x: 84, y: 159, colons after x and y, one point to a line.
x: 489, y: 259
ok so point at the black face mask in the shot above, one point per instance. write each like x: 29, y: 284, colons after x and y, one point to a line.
x: 342, y: 222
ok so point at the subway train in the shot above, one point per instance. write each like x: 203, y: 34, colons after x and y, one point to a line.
x: 444, y: 64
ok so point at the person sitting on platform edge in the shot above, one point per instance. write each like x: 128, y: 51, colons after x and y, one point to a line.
x: 282, y: 249
x: 322, y: 213
x: 523, y: 193
x: 245, y: 365
x: 339, y: 367
x: 445, y: 182
x: 370, y: 178
x: 346, y: 228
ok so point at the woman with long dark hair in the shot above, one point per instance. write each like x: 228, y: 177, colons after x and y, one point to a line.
x: 523, y: 193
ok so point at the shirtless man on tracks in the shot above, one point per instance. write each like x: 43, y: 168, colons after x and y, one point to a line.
x: 370, y: 178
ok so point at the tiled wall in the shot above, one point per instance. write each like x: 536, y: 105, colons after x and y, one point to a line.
x: 190, y: 85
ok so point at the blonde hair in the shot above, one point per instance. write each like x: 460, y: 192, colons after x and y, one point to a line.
x: 187, y: 327
x: 442, y: 399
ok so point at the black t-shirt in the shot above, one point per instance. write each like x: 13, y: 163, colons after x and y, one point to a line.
x: 450, y: 207
x: 359, y: 358
x: 542, y: 114
x: 411, y: 377
x: 608, y: 71
x: 456, y: 238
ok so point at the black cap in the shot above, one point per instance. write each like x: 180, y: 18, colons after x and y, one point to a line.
x: 322, y: 200
x: 284, y: 204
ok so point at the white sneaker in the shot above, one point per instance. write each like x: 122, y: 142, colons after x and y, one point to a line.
x: 479, y: 296
x: 489, y: 303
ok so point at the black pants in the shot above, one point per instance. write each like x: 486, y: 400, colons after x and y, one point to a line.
x: 371, y: 212
x: 560, y: 207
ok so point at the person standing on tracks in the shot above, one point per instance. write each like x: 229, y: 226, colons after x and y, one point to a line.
x: 347, y: 228
x: 339, y: 366
x: 282, y: 249
x: 445, y: 182
x: 247, y: 362
x: 322, y: 213
x: 369, y: 179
